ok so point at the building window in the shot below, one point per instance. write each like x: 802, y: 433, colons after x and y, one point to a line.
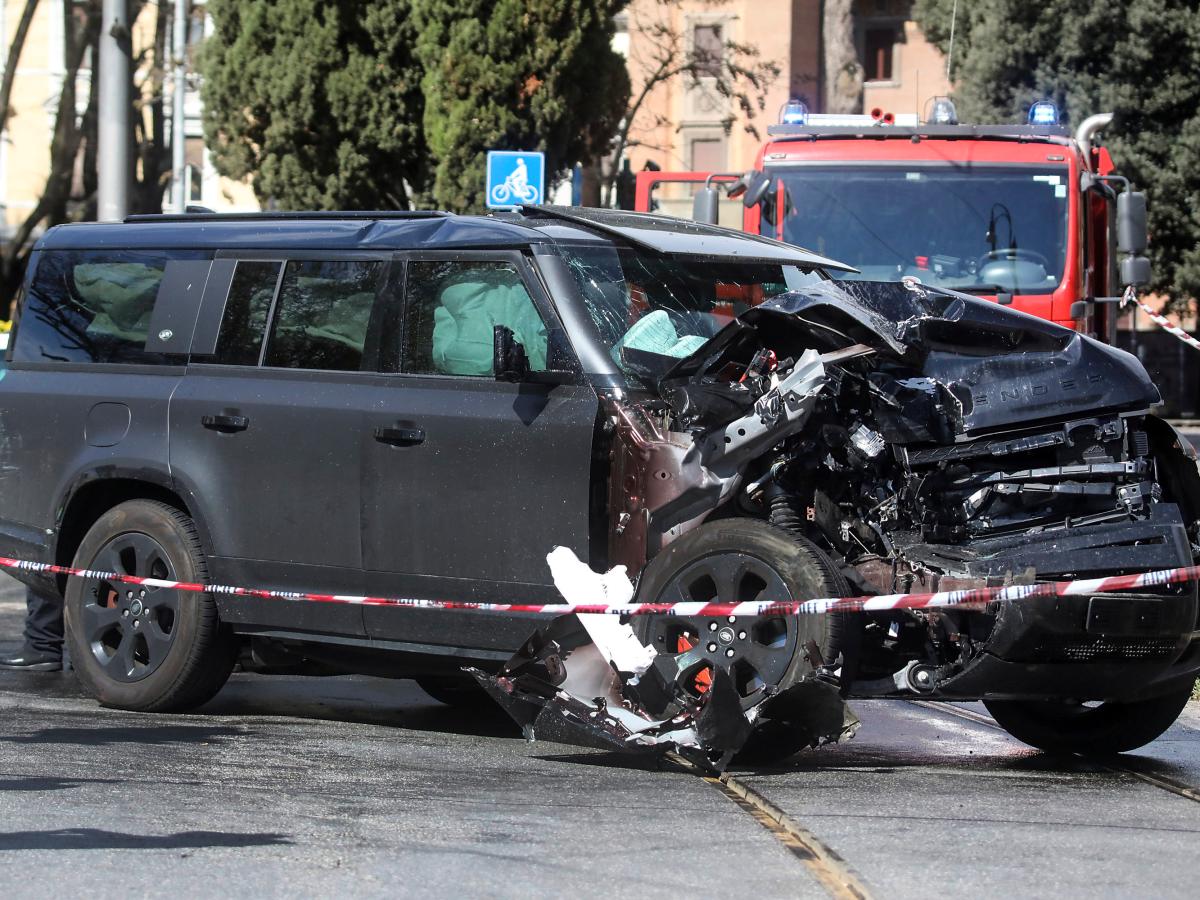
x: 708, y: 49
x: 708, y: 155
x: 879, y: 45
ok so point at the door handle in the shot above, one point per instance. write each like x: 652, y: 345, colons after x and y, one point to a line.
x: 400, y: 437
x: 225, y: 423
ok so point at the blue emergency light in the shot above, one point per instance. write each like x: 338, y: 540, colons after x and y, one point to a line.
x: 943, y: 112
x: 1043, y: 112
x: 794, y: 112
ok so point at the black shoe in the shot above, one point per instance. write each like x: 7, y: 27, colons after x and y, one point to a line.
x: 32, y: 661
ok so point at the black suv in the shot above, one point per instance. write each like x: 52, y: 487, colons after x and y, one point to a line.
x: 424, y: 405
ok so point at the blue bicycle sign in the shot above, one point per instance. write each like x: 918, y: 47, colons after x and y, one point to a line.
x: 514, y: 178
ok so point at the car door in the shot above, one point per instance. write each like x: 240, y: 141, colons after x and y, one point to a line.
x: 468, y: 482
x: 265, y: 429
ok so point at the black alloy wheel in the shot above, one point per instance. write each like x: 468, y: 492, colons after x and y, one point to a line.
x: 757, y: 651
x: 130, y: 628
x: 141, y: 647
x: 739, y: 561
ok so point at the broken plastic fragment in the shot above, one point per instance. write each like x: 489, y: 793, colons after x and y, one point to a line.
x: 589, y: 680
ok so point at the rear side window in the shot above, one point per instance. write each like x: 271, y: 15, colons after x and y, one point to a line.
x: 322, y: 314
x: 93, y: 306
x: 246, y: 311
x: 453, y: 309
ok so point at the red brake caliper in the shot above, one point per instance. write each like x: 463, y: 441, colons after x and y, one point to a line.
x: 703, y: 679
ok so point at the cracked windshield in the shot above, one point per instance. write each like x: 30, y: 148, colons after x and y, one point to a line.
x: 652, y: 310
x: 980, y: 230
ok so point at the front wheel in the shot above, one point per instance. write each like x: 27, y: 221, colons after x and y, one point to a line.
x: 1091, y: 730
x: 139, y: 647
x: 735, y: 561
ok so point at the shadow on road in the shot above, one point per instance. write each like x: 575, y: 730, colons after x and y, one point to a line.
x: 41, y: 783
x: 141, y: 735
x: 360, y: 700
x: 97, y: 839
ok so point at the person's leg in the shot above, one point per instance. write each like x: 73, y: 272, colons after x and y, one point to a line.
x: 43, y: 633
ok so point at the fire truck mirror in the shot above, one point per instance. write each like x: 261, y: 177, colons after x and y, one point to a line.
x: 1131, y: 222
x: 1135, y: 270
x: 757, y: 185
x: 704, y: 206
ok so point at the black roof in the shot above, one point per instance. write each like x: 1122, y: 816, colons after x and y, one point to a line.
x: 425, y: 230
x: 292, y: 231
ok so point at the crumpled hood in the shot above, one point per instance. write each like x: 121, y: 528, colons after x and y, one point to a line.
x: 996, y: 367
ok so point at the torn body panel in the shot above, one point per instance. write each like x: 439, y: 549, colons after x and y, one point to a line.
x: 564, y: 686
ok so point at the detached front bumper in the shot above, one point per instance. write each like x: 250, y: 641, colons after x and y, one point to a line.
x: 1106, y: 647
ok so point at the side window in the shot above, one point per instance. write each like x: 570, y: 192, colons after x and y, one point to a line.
x: 93, y: 306
x: 246, y: 309
x: 453, y: 308
x: 322, y: 314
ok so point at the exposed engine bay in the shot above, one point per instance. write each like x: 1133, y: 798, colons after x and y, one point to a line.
x: 920, y: 440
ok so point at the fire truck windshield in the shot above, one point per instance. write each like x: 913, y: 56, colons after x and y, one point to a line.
x: 972, y: 228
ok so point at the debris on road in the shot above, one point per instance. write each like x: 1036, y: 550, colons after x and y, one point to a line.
x: 589, y: 680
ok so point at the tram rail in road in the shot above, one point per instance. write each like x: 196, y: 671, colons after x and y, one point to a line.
x: 1122, y: 763
x: 367, y: 787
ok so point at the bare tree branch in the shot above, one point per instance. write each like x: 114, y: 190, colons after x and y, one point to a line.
x: 52, y: 205
x: 14, y: 57
x: 661, y: 53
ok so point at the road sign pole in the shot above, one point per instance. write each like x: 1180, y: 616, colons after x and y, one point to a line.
x: 112, y: 156
x: 178, y: 111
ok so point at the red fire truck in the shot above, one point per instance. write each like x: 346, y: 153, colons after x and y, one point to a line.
x: 1028, y: 215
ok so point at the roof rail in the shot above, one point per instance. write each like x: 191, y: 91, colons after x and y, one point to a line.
x: 287, y: 216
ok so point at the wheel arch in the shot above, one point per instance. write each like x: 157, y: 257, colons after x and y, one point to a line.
x: 91, y: 497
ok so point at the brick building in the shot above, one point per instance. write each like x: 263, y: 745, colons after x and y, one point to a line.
x: 683, y: 124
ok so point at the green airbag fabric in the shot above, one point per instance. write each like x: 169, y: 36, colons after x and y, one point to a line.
x: 464, y: 326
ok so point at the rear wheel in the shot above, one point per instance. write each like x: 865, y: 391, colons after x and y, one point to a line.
x: 461, y: 693
x: 138, y: 647
x: 1092, y: 730
x: 736, y: 561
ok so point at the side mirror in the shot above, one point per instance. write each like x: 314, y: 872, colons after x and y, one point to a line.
x: 704, y: 206
x: 757, y: 185
x: 1131, y: 222
x: 1135, y: 270
x: 509, y: 362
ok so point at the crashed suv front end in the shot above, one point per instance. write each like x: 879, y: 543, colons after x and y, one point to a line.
x: 915, y: 440
x: 951, y: 444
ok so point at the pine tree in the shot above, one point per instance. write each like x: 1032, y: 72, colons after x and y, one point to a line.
x: 516, y: 75
x: 1137, y: 59
x: 318, y: 100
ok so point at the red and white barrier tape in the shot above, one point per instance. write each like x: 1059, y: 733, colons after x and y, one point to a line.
x: 976, y: 598
x: 1161, y: 321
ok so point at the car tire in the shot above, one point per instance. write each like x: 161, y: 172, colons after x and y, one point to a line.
x: 1102, y: 730
x: 804, y: 571
x: 460, y: 693
x: 142, y: 648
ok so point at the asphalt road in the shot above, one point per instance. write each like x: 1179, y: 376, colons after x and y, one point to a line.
x: 365, y: 787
